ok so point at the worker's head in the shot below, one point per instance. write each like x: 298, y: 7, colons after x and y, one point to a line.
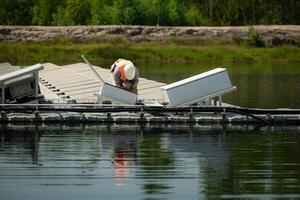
x: 129, y: 71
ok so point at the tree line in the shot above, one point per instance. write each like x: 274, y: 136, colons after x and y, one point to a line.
x: 149, y: 12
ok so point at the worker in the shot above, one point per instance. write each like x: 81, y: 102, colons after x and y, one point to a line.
x: 125, y: 75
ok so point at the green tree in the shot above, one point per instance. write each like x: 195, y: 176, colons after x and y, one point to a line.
x: 149, y: 12
x: 61, y: 17
x: 101, y: 12
x: 194, y: 17
x: 79, y: 11
x: 126, y: 12
x: 43, y: 11
x: 16, y: 12
x: 176, y: 11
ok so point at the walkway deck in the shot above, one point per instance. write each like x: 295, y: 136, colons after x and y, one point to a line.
x: 77, y: 82
x: 7, y: 68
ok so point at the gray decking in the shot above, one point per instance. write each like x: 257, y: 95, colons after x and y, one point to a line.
x: 77, y: 82
x: 6, y: 68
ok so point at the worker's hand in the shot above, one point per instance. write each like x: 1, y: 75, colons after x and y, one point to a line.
x: 127, y: 85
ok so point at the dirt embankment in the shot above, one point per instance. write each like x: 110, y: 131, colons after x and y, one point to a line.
x: 138, y: 33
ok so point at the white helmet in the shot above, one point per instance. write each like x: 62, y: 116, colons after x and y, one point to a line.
x: 129, y: 71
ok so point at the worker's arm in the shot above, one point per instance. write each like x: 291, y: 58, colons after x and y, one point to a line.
x: 134, y: 89
x: 117, y: 76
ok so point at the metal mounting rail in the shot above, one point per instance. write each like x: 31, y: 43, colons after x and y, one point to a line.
x: 132, y: 108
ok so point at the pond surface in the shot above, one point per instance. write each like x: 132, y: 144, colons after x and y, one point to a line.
x: 152, y: 162
x: 259, y: 85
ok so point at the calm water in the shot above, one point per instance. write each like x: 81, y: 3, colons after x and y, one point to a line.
x: 259, y: 85
x: 133, y: 162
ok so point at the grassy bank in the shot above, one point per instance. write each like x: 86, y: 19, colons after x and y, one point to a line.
x: 64, y: 52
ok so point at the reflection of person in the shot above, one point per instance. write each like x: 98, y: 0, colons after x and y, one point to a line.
x: 124, y: 154
x: 120, y: 164
x: 125, y: 75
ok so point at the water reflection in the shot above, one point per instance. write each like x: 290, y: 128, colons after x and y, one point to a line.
x: 26, y: 141
x: 149, y: 162
x: 124, y: 155
x: 157, y: 162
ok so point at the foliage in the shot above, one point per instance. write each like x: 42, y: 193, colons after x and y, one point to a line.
x: 149, y: 12
x: 79, y: 11
x: 61, y: 18
x: 126, y: 12
x: 254, y: 38
x: 101, y: 12
x: 42, y: 12
x: 16, y: 12
x: 194, y: 17
x: 175, y: 11
x: 65, y: 51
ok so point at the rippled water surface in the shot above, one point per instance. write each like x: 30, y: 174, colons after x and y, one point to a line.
x: 133, y: 162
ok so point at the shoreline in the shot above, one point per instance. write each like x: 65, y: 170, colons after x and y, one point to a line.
x: 23, y: 44
x: 141, y: 33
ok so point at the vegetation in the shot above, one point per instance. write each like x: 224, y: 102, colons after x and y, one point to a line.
x: 171, y: 51
x: 149, y: 12
x: 254, y: 38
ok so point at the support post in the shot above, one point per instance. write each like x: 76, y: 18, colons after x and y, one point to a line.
x: 191, y: 116
x: 3, y: 92
x: 3, y: 99
x: 99, y: 99
x: 142, y: 115
x: 224, y: 115
x: 109, y: 117
x: 36, y: 76
x: 220, y: 100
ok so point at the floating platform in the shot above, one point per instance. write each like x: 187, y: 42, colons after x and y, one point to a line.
x: 71, y: 92
x: 89, y: 113
x: 121, y: 118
